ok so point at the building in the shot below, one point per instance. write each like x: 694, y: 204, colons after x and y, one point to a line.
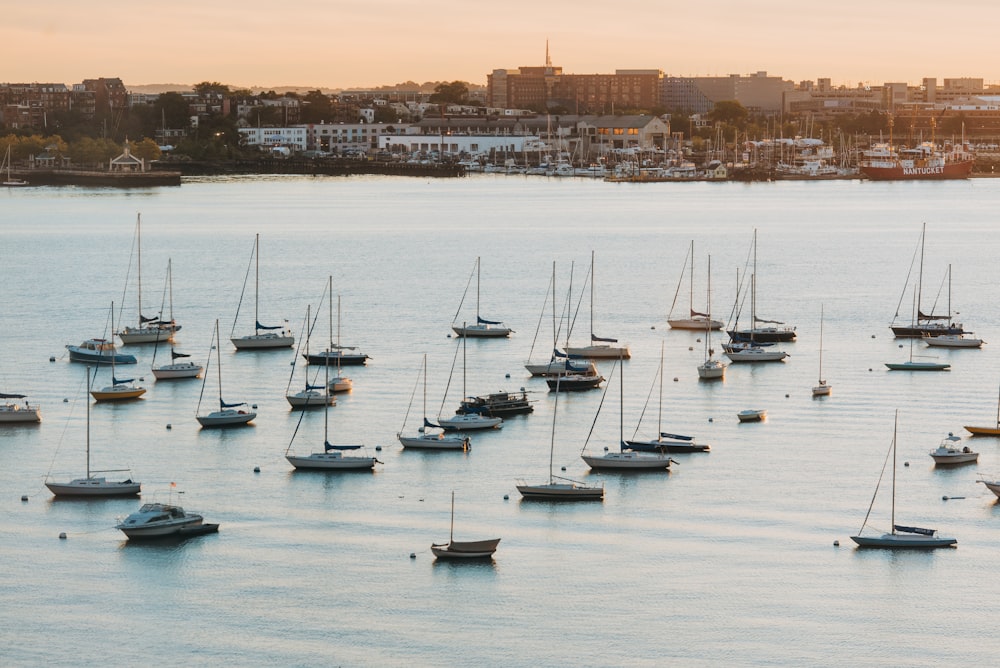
x: 758, y: 92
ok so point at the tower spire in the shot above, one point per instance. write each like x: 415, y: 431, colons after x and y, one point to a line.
x: 548, y: 61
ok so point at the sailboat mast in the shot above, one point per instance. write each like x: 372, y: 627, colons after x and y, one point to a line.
x: 555, y: 341
x: 256, y: 286
x: 691, y: 281
x: 138, y: 242
x: 920, y: 274
x: 659, y: 413
x: 425, y: 386
x: 821, y: 343
x: 479, y: 275
x: 218, y: 361
x: 170, y: 292
x: 591, y: 295
x: 893, y: 516
x: 451, y: 531
x: 88, y: 423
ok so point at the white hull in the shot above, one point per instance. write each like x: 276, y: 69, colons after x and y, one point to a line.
x: 712, y: 370
x: 471, y: 421
x: 561, y: 491
x: 226, y: 418
x: 173, y: 371
x: 11, y: 413
x: 482, y: 331
x: 903, y: 541
x: 155, y: 520
x: 558, y: 368
x: 133, y: 335
x: 628, y: 461
x: 952, y: 341
x: 310, y: 399
x: 751, y: 354
x: 601, y: 352
x: 960, y: 458
x: 434, y: 442
x: 822, y: 389
x: 700, y: 324
x: 330, y: 461
x: 167, y: 529
x: 340, y: 384
x: 751, y: 415
x: 262, y: 341
x: 993, y: 486
x: 93, y: 487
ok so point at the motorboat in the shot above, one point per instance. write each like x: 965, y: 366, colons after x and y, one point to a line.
x: 949, y: 452
x: 498, y: 404
x: 98, y: 351
x: 157, y: 520
x: 12, y: 411
x: 953, y: 341
x: 752, y: 415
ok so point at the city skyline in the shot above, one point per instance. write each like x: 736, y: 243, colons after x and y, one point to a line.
x: 249, y: 44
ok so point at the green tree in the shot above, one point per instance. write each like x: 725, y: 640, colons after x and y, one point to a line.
x: 455, y: 92
x: 145, y: 149
x: 316, y: 108
x: 730, y: 112
x: 209, y: 88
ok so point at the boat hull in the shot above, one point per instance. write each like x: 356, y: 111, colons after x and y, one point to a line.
x: 470, y: 421
x: 482, y: 331
x: 262, y: 341
x: 434, y: 442
x: 960, y: 169
x: 695, y: 324
x: 751, y: 415
x: 310, y: 399
x: 756, y: 355
x: 479, y: 549
x: 334, y: 358
x: 172, y: 529
x: 993, y: 486
x: 175, y: 371
x: 226, y: 418
x: 574, y: 383
x: 118, y: 393
x: 951, y: 460
x: 918, y: 366
x: 134, y: 335
x: 926, y: 331
x: 13, y: 413
x: 712, y: 370
x: 983, y: 431
x: 561, y: 492
x: 330, y: 461
x: 904, y: 541
x: 678, y: 447
x: 94, y: 487
x: 77, y: 354
x: 952, y: 341
x: 601, y: 352
x: 763, y: 335
x: 562, y: 367
x: 627, y: 461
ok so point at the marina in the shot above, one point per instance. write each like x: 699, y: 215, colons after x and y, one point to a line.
x: 710, y: 565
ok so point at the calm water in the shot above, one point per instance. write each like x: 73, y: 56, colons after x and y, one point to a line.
x: 730, y: 558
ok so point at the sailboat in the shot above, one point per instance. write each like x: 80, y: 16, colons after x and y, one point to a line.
x: 822, y: 388
x: 228, y: 415
x: 333, y: 457
x: 987, y: 431
x: 559, y: 362
x: 484, y: 329
x: 664, y: 442
x: 466, y: 421
x: 338, y: 354
x: 911, y: 364
x: 694, y: 319
x: 559, y: 488
x: 92, y: 485
x: 625, y: 459
x: 120, y: 389
x: 924, y: 325
x: 149, y: 330
x: 900, y: 536
x: 174, y: 370
x: 312, y: 395
x: 599, y: 348
x: 428, y: 440
x: 264, y: 337
x: 711, y: 368
x: 756, y: 333
x: 749, y: 350
x: 469, y: 549
x: 10, y: 181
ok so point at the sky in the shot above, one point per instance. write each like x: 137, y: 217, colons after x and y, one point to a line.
x: 366, y: 43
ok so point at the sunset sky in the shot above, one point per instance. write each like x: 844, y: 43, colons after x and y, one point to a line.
x: 336, y: 44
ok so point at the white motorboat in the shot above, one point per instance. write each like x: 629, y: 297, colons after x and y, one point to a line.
x: 92, y: 485
x: 752, y: 415
x: 229, y: 414
x: 467, y: 549
x: 264, y: 337
x: 953, y: 341
x: 694, y: 320
x: 157, y: 520
x: 899, y: 537
x: 949, y: 452
x: 483, y: 329
x: 12, y: 411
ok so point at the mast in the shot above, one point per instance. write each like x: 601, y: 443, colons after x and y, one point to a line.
x: 555, y: 341
x: 218, y: 361
x: 591, y: 296
x: 708, y: 320
x: 691, y: 286
x: 256, y: 288
x: 920, y: 275
x: 326, y: 399
x: 451, y: 532
x: 425, y: 386
x: 821, y: 343
x: 659, y: 413
x: 138, y: 242
x: 894, y: 423
x: 88, y: 423
x: 170, y: 293
x: 479, y: 274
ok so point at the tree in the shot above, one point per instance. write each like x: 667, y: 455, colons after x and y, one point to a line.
x: 316, y: 107
x: 145, y: 149
x: 455, y: 92
x: 728, y: 111
x: 208, y: 88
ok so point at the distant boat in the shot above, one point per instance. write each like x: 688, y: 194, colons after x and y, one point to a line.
x: 98, y: 351
x: 5, y: 166
x: 916, y: 365
x: 899, y: 537
x: 625, y: 459
x: 558, y: 488
x: 453, y: 549
x: 953, y: 341
x: 91, y: 485
x: 498, y: 404
x: 574, y: 382
x: 159, y: 520
x: 949, y: 452
x: 174, y: 370
x: 429, y: 440
x: 987, y: 431
x: 337, y: 354
x: 663, y: 442
x: 313, y: 395
x: 560, y: 363
x: 229, y: 414
x: 927, y: 160
x: 694, y: 320
x: 600, y: 347
x: 120, y: 389
x: 752, y: 415
x: 466, y: 421
x: 822, y: 388
x: 711, y: 368
x: 756, y: 333
x: 992, y: 485
x: 483, y: 329
x: 12, y: 411
x: 148, y: 329
x: 264, y: 336
x: 924, y: 324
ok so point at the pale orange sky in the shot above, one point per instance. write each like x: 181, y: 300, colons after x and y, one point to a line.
x: 337, y: 44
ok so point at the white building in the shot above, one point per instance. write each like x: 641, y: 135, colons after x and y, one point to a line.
x: 455, y: 144
x: 293, y: 138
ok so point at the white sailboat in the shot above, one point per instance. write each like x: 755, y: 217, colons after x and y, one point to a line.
x: 229, y: 414
x: 264, y: 337
x: 120, y: 389
x: 9, y: 180
x: 174, y: 370
x: 430, y: 440
x: 600, y: 347
x: 465, y: 421
x: 625, y: 459
x: 711, y: 368
x: 312, y: 395
x: 91, y: 485
x: 750, y: 350
x: 558, y: 488
x: 148, y: 330
x: 466, y: 549
x: 899, y: 537
x: 822, y: 388
x: 912, y: 364
x: 993, y: 430
x: 333, y: 457
x: 483, y: 329
x: 560, y: 363
x: 664, y: 442
x: 694, y: 320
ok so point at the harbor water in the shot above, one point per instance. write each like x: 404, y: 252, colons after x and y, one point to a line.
x: 738, y: 556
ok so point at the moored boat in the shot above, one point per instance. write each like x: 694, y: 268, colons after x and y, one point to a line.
x: 158, y: 520
x: 12, y: 411
x: 949, y: 452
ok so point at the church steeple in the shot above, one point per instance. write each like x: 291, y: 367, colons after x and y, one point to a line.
x: 548, y: 61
